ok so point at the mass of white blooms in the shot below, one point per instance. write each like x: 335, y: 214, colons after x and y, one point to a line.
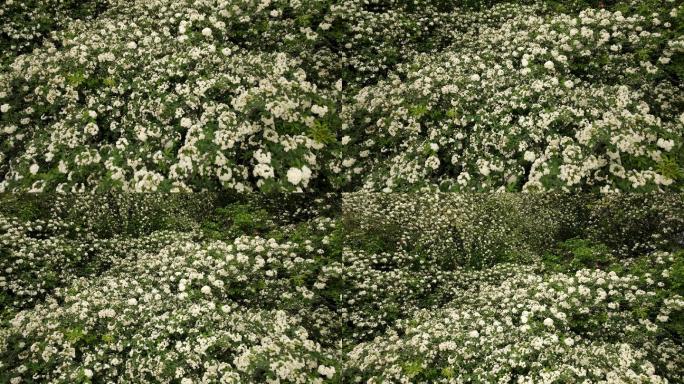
x: 536, y: 102
x: 383, y: 95
x: 504, y: 288
x: 534, y: 328
x: 341, y: 191
x: 164, y: 303
x: 374, y: 287
x: 162, y: 96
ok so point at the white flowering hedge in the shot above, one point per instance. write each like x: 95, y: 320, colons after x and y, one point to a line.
x: 48, y: 243
x: 587, y: 326
x: 373, y: 287
x: 25, y: 24
x: 561, y: 102
x: 315, y: 95
x: 505, y: 288
x: 337, y: 152
x: 172, y: 299
x: 159, y: 96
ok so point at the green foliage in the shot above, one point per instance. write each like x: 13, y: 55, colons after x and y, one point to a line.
x: 237, y: 219
x: 574, y: 254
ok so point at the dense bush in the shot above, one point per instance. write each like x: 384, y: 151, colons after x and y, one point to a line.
x: 183, y: 311
x: 407, y: 252
x: 48, y: 242
x: 457, y: 230
x: 24, y: 24
x: 376, y: 287
x: 157, y: 96
x: 319, y: 96
x: 590, y: 325
x: 562, y: 102
x: 290, y: 121
x: 158, y: 299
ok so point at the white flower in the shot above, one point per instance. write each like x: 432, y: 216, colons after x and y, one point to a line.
x: 665, y: 144
x: 549, y: 65
x: 186, y: 122
x: 569, y: 341
x: 319, y: 110
x: 132, y: 301
x: 328, y: 372
x: 432, y: 162
x: 548, y: 322
x: 88, y: 373
x: 131, y: 45
x: 529, y: 156
x: 345, y: 140
x: 34, y: 168
x: 294, y: 175
x: 206, y: 290
x: 474, y: 334
x: 264, y: 171
x: 262, y: 157
x: 206, y: 32
x: 475, y: 77
x: 106, y: 313
x: 4, y: 108
x: 568, y: 84
x: 306, y: 173
x: 92, y: 114
x: 91, y: 129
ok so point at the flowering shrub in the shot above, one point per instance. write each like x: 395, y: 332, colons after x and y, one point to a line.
x: 457, y: 229
x: 146, y: 99
x: 179, y: 313
x: 591, y: 325
x: 164, y: 305
x: 322, y: 142
x: 24, y: 24
x: 171, y: 95
x: 404, y: 253
x: 561, y: 102
x: 41, y: 255
x: 52, y: 241
x: 376, y: 36
x: 391, y: 288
